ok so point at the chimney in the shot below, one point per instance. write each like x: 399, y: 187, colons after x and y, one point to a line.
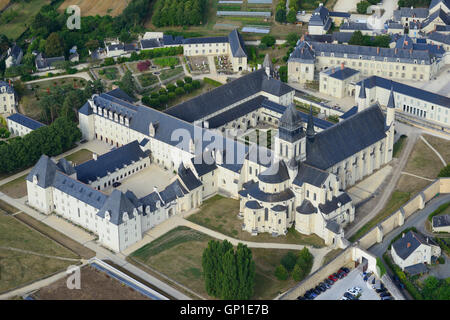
x: 342, y: 66
x: 396, y: 50
x: 155, y: 189
x: 378, y: 50
x: 408, y: 244
x: 94, y: 156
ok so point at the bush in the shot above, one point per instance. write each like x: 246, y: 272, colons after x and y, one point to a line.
x: 439, y: 210
x: 179, y: 91
x: 143, y: 66
x: 280, y: 15
x: 281, y: 273
x: 212, y: 82
x: 171, y: 95
x: 196, y: 84
x: 381, y: 266
x: 109, y: 62
x: 362, y: 6
x: 188, y: 87
x: 162, y: 91
x: 171, y: 87
x: 188, y: 79
x: 283, y: 73
x: 163, y: 99
x: 180, y: 83
x: 268, y: 40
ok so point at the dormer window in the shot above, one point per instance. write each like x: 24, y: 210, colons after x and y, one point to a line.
x: 125, y: 216
x: 107, y: 216
x: 415, y: 61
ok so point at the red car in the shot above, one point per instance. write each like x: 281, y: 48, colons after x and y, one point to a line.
x: 342, y: 273
x: 333, y: 278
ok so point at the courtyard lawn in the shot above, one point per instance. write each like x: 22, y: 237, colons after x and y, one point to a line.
x: 169, y: 73
x: 423, y: 161
x: 166, y: 61
x: 220, y: 214
x: 178, y: 255
x: 80, y: 156
x: 16, y: 188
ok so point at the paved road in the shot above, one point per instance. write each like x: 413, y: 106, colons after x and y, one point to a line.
x: 83, y: 75
x: 416, y: 220
x: 389, y: 188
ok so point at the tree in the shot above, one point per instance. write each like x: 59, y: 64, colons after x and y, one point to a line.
x: 292, y: 38
x: 291, y: 16
x: 245, y: 272
x: 268, y: 40
x: 171, y: 87
x: 280, y: 15
x: 283, y: 73
x: 288, y: 261
x: 357, y: 38
x: 445, y: 172
x: 362, y: 6
x: 180, y: 83
x: 92, y: 44
x: 127, y: 84
x: 196, y: 84
x: 188, y: 79
x: 54, y: 46
x: 281, y: 272
x: 298, y: 273
x: 179, y: 91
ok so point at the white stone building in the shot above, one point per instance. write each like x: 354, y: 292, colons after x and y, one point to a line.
x: 21, y: 125
x: 8, y: 101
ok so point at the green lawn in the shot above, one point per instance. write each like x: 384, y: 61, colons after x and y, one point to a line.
x: 16, y: 188
x: 166, y: 61
x: 21, y: 15
x: 80, y: 156
x: 178, y: 255
x: 220, y: 214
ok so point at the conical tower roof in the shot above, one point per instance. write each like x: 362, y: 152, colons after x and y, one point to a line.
x: 362, y: 92
x: 310, y: 133
x: 291, y: 118
x: 391, y: 102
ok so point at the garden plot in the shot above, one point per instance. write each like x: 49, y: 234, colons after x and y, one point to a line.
x: 223, y: 64
x: 198, y: 64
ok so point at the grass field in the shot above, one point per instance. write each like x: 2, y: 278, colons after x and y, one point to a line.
x: 423, y: 161
x: 92, y: 8
x: 95, y: 285
x: 441, y: 145
x: 178, y: 254
x: 16, y: 189
x: 22, y: 15
x: 80, y: 156
x: 220, y: 214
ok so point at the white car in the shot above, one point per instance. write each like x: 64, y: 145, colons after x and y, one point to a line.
x: 344, y: 298
x: 357, y: 289
x: 352, y: 291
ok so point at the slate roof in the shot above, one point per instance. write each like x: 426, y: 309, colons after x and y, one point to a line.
x: 445, y: 3
x: 401, y: 245
x: 291, y: 118
x: 276, y: 173
x: 350, y: 25
x: 406, y: 90
x: 441, y: 28
x: 150, y: 44
x: 346, y: 138
x: 310, y: 175
x: 85, y: 109
x: 395, y: 25
x: 173, y: 191
x: 9, y: 88
x: 237, y: 44
x: 65, y: 166
x: 349, y: 113
x: 320, y: 17
x: 416, y: 269
x: 354, y: 51
x: 201, y: 165
x: 306, y: 208
x: 205, y: 40
x: 150, y: 201
x: 441, y: 221
x: 109, y: 162
x: 227, y: 94
x: 342, y: 37
x: 331, y: 205
x: 43, y: 63
x: 279, y: 208
x: 45, y: 170
x: 340, y: 73
x: 169, y: 40
x: 25, y: 121
x: 236, y: 112
x: 439, y: 37
x: 340, y: 14
x: 188, y: 178
x: 435, y: 15
x: 117, y: 204
x: 407, y: 12
x: 120, y: 94
x: 303, y: 53
x: 260, y: 195
x: 254, y: 205
x: 15, y: 52
x: 333, y: 226
x: 404, y: 42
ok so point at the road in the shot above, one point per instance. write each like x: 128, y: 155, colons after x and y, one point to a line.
x: 416, y: 220
x: 83, y: 75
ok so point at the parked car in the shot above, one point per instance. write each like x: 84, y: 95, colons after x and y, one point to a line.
x: 329, y: 281
x: 349, y: 296
x: 352, y: 291
x: 326, y: 285
x: 301, y: 298
x: 333, y: 278
x: 343, y: 273
x: 380, y: 290
x: 346, y: 270
x: 317, y: 292
x: 387, y: 298
x: 319, y: 288
x: 385, y: 294
x: 357, y: 289
x: 344, y: 298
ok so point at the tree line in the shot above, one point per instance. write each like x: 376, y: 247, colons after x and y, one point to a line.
x: 179, y: 12
x: 22, y: 152
x: 229, y: 274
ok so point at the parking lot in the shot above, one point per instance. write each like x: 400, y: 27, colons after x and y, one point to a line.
x: 353, y: 279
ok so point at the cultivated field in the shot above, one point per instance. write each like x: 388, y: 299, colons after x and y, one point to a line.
x: 14, y: 20
x: 102, y: 8
x: 178, y: 255
x: 95, y: 285
x: 220, y: 214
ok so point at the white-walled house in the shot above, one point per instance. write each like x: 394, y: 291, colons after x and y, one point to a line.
x: 21, y: 125
x: 8, y: 101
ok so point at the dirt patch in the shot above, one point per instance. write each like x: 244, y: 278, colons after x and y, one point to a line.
x: 56, y: 236
x: 441, y: 145
x: 4, y: 3
x: 80, y: 156
x: 411, y: 184
x: 102, y: 8
x: 423, y: 161
x: 95, y: 285
x: 15, y: 189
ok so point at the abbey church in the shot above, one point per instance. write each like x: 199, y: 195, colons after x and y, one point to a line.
x: 299, y: 182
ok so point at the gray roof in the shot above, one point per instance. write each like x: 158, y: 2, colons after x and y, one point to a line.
x: 25, y: 121
x: 350, y: 25
x: 310, y: 175
x: 333, y: 226
x: 15, y: 51
x: 406, y: 245
x: 346, y: 138
x: 340, y: 14
x: 441, y: 221
x: 109, y: 162
x: 170, y: 40
x: 9, y: 88
x: 117, y: 204
x: 201, y: 166
x: 406, y: 90
x: 362, y: 91
x: 279, y: 208
x: 150, y: 201
x: 237, y: 44
x: 303, y: 53
x: 205, y: 40
x: 227, y: 94
x: 45, y: 170
x: 391, y: 102
x: 435, y: 15
x: 42, y: 62
x: 439, y: 37
x: 291, y: 118
x: 442, y: 3
x: 150, y: 44
x: 441, y: 28
x: 378, y: 54
x: 173, y: 191
x: 405, y: 12
x: 416, y: 269
x: 120, y: 94
x: 335, y: 202
x: 341, y: 74
x: 319, y: 17
x: 306, y: 208
x: 256, y: 193
x: 188, y: 178
x: 276, y: 173
x: 65, y: 166
x: 254, y: 205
